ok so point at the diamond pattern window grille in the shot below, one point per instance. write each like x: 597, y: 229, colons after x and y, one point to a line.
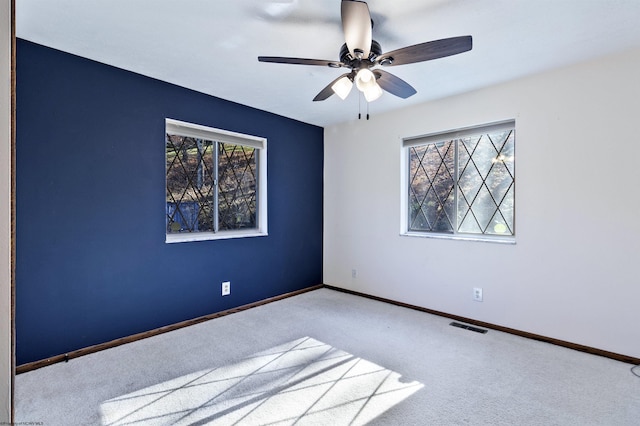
x: 211, y: 186
x: 237, y: 171
x: 464, y: 185
x: 431, y: 189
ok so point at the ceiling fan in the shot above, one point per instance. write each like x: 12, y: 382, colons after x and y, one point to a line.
x: 361, y: 54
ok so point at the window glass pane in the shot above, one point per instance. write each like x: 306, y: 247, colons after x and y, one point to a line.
x: 418, y: 184
x: 483, y: 208
x: 502, y: 222
x: 465, y: 185
x: 431, y: 171
x: 189, y: 167
x: 468, y: 223
x: 485, y: 196
x: 469, y: 184
x: 237, y: 190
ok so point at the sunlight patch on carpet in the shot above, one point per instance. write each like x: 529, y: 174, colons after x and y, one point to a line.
x: 303, y: 382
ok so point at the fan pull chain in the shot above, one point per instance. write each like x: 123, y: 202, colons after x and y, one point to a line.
x: 360, y: 107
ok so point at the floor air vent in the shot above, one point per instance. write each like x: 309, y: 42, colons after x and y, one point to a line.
x: 468, y: 327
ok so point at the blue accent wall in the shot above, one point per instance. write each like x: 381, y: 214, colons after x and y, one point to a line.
x: 92, y: 264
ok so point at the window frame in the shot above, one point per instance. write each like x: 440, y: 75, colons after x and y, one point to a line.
x: 182, y: 128
x: 445, y: 136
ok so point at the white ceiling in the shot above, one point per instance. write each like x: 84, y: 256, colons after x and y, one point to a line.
x: 212, y: 45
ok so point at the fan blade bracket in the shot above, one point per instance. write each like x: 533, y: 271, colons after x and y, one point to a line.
x: 385, y: 60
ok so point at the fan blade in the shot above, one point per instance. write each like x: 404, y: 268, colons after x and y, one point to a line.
x: 356, y: 24
x: 328, y: 91
x: 394, y: 85
x: 299, y: 61
x: 426, y: 51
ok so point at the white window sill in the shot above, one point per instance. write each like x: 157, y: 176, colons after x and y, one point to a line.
x: 478, y: 238
x: 208, y: 236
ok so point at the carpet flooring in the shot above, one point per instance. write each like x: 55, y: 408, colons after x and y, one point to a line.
x: 330, y: 358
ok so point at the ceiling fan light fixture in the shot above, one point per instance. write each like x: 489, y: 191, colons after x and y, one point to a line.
x: 373, y: 92
x: 342, y: 87
x: 365, y: 79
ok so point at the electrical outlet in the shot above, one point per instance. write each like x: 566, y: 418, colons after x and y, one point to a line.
x: 354, y: 273
x: 477, y: 294
x: 226, y: 288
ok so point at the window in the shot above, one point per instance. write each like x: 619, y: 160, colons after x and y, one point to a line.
x: 461, y: 183
x: 216, y: 183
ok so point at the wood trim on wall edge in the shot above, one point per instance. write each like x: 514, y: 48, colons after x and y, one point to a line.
x: 12, y: 284
x: 139, y: 336
x: 558, y: 342
x: 129, y: 339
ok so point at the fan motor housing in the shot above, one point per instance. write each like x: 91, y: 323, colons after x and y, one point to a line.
x: 347, y: 59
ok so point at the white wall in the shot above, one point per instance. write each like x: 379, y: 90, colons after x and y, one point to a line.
x: 5, y: 211
x: 573, y: 273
